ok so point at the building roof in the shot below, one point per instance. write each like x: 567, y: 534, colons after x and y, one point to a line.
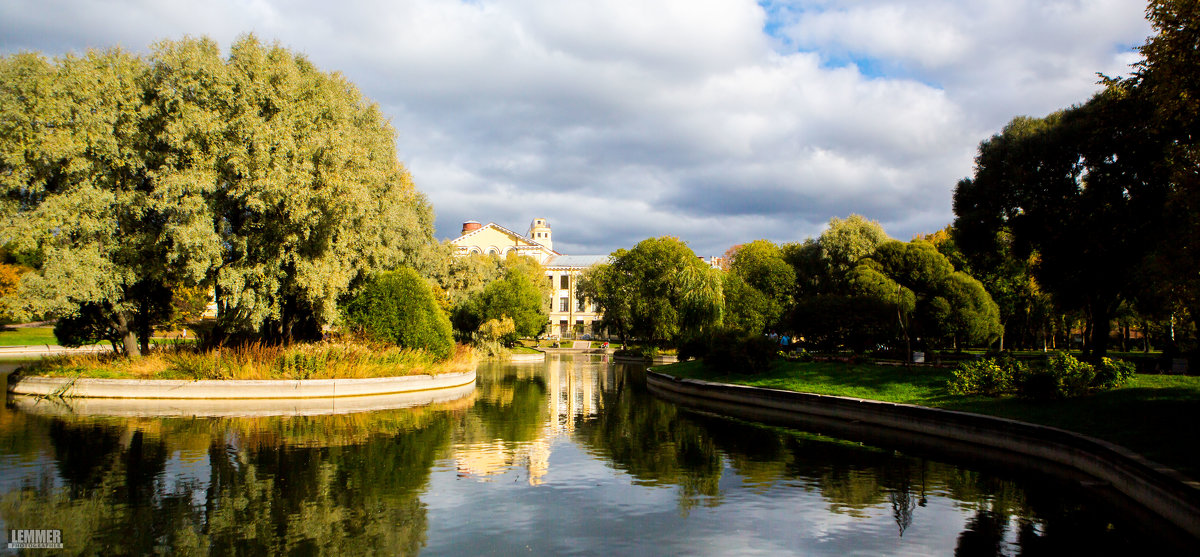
x: 518, y: 237
x: 576, y: 261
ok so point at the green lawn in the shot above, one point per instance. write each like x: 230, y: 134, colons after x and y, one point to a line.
x: 27, y: 336
x: 39, y: 336
x: 1153, y: 415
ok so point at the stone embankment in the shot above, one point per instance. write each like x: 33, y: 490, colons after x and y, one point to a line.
x: 997, y: 441
x: 66, y: 387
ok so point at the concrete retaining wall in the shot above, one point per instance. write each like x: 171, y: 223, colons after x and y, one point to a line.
x: 233, y: 389
x: 241, y: 408
x: 1161, y: 490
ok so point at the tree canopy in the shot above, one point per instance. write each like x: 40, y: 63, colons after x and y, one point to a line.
x: 659, y: 291
x: 761, y: 293
x: 255, y: 174
x: 1081, y: 189
x: 933, y: 301
x: 519, y: 295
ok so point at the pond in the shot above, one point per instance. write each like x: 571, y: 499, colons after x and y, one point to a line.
x: 572, y: 456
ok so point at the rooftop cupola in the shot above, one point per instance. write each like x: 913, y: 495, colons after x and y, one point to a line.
x: 539, y: 231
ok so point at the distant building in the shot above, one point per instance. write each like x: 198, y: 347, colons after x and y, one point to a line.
x: 569, y: 318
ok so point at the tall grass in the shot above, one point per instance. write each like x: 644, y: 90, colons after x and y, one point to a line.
x: 324, y: 360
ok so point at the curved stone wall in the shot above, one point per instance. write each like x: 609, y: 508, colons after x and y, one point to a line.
x: 232, y: 389
x: 240, y: 408
x: 1161, y: 490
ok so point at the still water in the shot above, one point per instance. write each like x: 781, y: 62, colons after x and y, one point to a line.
x: 572, y: 456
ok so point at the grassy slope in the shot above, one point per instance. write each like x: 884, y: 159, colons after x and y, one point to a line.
x: 1152, y: 415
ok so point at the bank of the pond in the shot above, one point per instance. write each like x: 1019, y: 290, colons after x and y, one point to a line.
x: 1160, y: 490
x: 1151, y: 415
x: 72, y: 387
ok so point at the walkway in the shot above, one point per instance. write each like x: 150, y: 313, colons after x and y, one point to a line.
x: 40, y: 350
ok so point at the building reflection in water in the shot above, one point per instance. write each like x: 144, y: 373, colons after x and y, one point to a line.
x: 572, y: 393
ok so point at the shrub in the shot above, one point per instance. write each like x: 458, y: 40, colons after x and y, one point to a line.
x: 800, y: 355
x: 492, y: 336
x: 1111, y: 374
x: 1063, y: 376
x: 982, y: 377
x: 399, y: 307
x: 739, y: 352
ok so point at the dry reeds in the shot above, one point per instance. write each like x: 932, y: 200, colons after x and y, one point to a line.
x: 322, y: 360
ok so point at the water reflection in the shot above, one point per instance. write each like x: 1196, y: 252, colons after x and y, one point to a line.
x: 570, y: 457
x: 307, y: 484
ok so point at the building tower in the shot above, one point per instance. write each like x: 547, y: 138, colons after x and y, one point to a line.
x: 539, y: 232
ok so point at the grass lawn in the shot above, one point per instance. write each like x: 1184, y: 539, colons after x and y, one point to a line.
x: 524, y: 350
x: 27, y: 336
x: 41, y: 336
x: 1153, y: 415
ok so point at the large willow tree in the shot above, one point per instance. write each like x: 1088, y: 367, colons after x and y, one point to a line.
x: 658, y: 292
x: 255, y: 174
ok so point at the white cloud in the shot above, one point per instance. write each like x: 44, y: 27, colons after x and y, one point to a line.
x: 622, y: 120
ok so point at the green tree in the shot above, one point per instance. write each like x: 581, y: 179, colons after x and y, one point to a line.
x: 932, y: 301
x: 518, y: 296
x: 259, y: 174
x: 766, y: 285
x: 829, y: 312
x: 1081, y: 191
x: 845, y: 242
x: 602, y: 284
x: 461, y: 276
x: 78, y: 188
x: 1169, y: 77
x: 746, y: 308
x: 659, y: 291
x: 399, y: 307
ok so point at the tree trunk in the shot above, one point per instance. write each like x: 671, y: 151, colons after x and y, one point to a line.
x: 1145, y: 337
x: 1088, y: 331
x: 1099, y: 331
x: 128, y: 335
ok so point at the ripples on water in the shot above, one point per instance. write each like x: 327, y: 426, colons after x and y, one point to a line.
x: 569, y: 457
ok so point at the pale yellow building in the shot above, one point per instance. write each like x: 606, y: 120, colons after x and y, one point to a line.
x: 569, y: 317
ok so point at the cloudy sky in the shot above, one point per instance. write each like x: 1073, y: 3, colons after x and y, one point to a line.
x: 717, y: 121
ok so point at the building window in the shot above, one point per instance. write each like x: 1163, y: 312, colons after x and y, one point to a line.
x: 562, y: 304
x: 579, y: 304
x: 551, y: 280
x: 565, y: 282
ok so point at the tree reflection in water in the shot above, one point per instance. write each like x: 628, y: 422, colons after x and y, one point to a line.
x: 659, y: 443
x: 361, y: 483
x: 310, y: 485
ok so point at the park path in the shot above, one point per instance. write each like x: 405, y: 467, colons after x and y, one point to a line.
x: 37, y: 351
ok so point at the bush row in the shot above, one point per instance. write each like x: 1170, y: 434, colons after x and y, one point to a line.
x: 1060, y: 376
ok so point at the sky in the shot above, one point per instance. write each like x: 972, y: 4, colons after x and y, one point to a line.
x: 716, y: 121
